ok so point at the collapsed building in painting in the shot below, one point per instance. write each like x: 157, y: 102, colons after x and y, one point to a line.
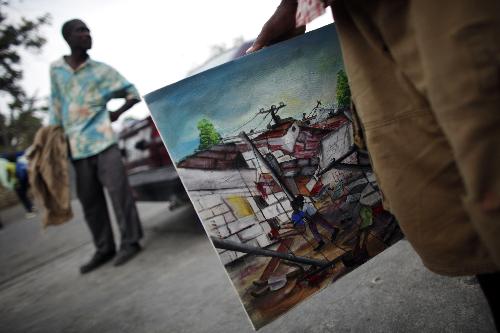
x: 234, y: 191
x: 243, y: 187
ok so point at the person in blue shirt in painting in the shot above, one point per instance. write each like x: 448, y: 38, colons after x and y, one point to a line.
x: 304, y: 211
x: 80, y: 89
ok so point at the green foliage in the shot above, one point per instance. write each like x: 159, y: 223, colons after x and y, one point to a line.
x: 343, y: 92
x: 15, y: 36
x: 25, y: 127
x: 19, y: 132
x: 208, y: 134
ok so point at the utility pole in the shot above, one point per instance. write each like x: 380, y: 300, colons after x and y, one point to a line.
x: 245, y: 248
x: 273, y: 111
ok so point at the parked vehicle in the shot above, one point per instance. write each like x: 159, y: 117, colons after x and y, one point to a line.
x: 151, y: 172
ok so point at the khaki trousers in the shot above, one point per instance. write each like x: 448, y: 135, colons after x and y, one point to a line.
x: 425, y: 79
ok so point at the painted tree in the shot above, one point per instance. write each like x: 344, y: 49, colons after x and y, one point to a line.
x: 208, y: 134
x: 343, y: 92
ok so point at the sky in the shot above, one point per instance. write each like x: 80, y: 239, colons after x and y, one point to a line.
x: 151, y: 42
x: 298, y: 72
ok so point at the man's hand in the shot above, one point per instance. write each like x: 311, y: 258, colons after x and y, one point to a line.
x: 280, y: 27
x: 114, y: 115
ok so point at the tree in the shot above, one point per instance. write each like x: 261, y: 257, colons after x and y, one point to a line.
x: 343, y: 92
x: 23, y: 129
x: 208, y: 134
x: 15, y: 36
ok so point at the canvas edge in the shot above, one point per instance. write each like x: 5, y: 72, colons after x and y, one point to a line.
x: 207, y: 234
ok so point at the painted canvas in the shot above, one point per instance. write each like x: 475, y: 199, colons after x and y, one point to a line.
x: 266, y: 148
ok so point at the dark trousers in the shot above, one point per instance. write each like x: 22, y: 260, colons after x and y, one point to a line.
x: 106, y: 169
x: 313, y: 226
x: 22, y: 193
x: 490, y: 284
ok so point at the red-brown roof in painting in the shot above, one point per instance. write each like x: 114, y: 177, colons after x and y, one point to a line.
x: 332, y: 124
x: 276, y: 132
x: 218, y: 157
x: 316, y: 132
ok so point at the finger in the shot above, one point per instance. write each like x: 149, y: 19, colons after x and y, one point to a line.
x: 255, y: 47
x: 300, y: 30
x: 262, y: 39
x: 294, y: 33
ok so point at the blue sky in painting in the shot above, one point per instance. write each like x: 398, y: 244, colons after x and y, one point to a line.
x: 297, y: 72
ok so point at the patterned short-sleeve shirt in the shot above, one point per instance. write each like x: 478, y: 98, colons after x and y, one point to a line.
x: 78, y: 104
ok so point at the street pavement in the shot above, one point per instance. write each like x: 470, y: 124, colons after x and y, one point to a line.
x: 177, y: 284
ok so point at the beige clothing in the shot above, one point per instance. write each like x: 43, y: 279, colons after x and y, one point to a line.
x: 49, y: 177
x: 425, y: 78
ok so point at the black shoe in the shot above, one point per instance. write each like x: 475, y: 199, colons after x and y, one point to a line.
x: 320, y: 246
x: 97, y: 260
x: 127, y: 253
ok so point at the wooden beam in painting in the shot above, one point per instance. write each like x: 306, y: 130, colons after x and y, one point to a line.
x: 261, y: 158
x: 274, y: 262
x: 337, y: 164
x: 233, y: 246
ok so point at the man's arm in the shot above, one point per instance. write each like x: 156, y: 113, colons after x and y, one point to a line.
x: 289, y: 20
x: 55, y: 116
x: 120, y: 87
x: 129, y: 102
x: 281, y: 26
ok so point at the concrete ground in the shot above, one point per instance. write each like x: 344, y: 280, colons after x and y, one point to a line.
x: 178, y: 285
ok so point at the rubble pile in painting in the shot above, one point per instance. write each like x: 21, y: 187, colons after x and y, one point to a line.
x: 268, y: 157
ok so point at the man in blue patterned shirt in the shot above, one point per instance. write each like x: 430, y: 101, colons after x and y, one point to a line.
x: 80, y: 90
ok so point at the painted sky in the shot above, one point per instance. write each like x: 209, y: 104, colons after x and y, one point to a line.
x: 297, y: 72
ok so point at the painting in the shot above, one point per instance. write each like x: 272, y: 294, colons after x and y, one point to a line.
x: 268, y: 151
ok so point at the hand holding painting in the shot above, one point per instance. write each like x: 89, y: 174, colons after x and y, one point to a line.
x: 412, y: 155
x: 281, y: 26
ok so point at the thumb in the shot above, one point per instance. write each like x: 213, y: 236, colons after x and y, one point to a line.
x: 255, y: 47
x: 263, y: 38
x: 261, y: 41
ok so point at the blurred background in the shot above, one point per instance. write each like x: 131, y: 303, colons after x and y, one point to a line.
x: 151, y: 43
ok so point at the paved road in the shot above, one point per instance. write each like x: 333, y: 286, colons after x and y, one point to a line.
x: 177, y: 285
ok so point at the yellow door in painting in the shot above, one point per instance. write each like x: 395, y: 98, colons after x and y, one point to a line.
x: 240, y: 206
